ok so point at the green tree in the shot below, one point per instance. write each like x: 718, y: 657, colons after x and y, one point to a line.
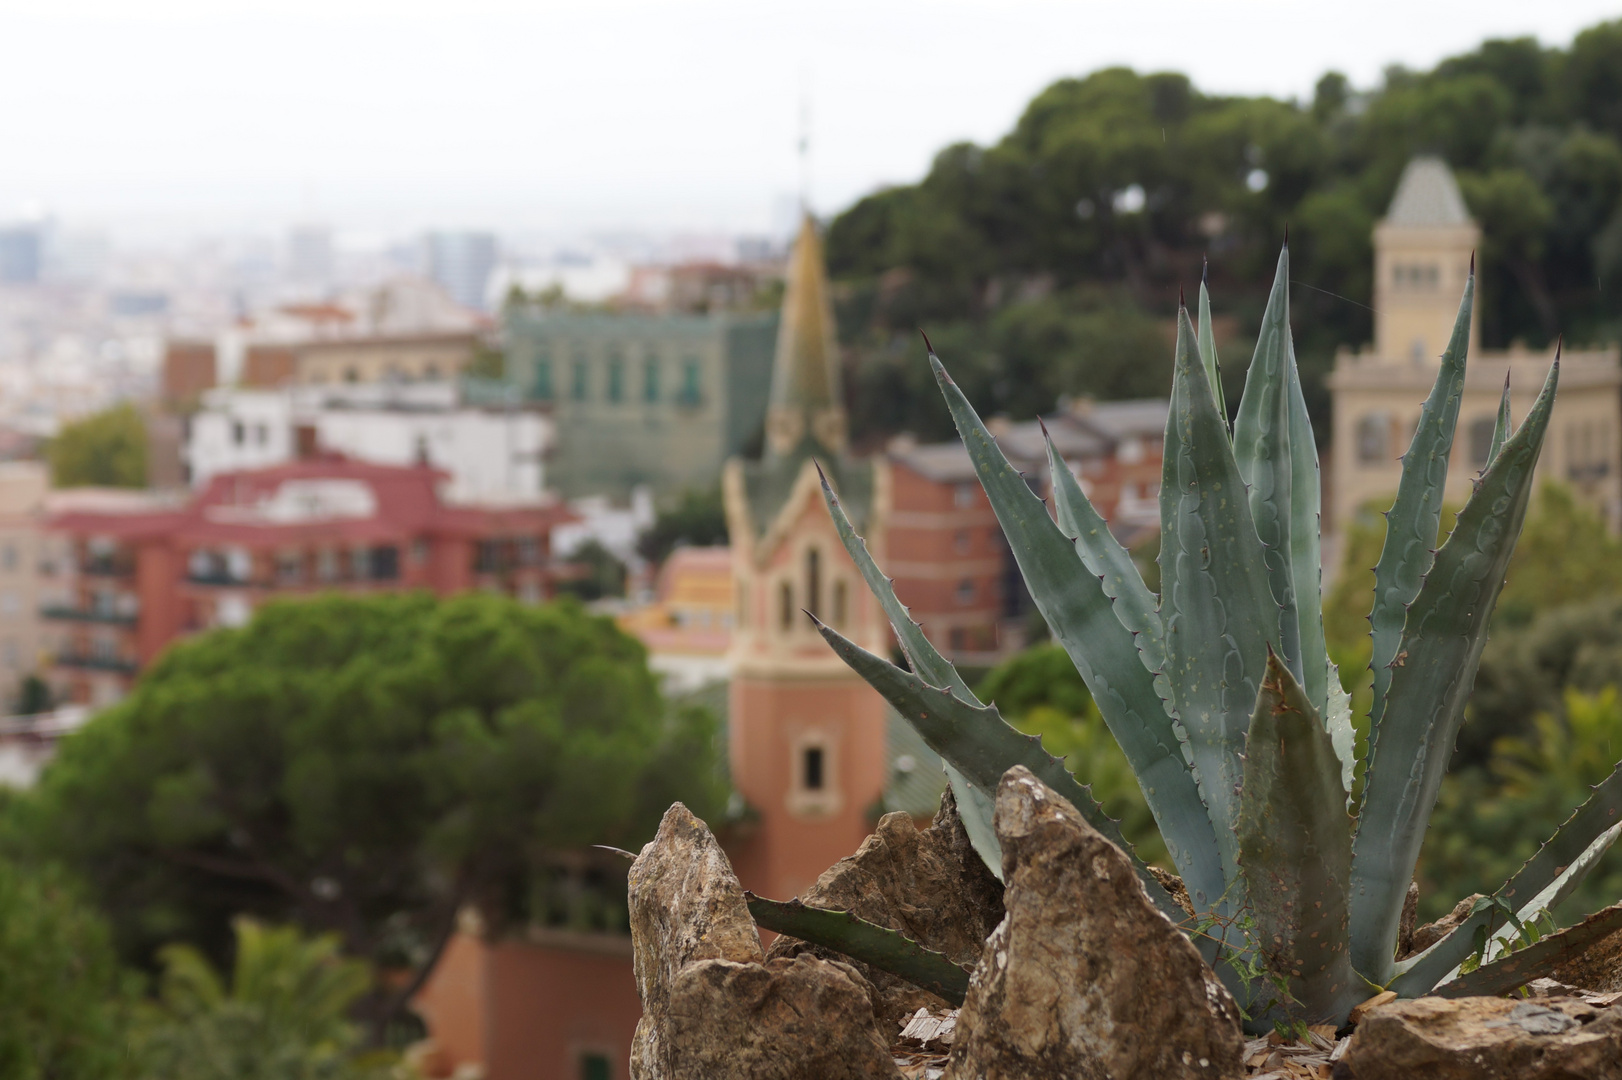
x: 604, y: 574
x: 63, y: 997
x: 1040, y: 693
x: 284, y: 1015
x: 366, y: 766
x: 1490, y: 820
x: 698, y: 519
x: 106, y: 449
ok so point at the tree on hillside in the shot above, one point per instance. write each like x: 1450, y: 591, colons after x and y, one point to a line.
x: 106, y: 449
x: 698, y: 518
x: 367, y: 766
x: 1032, y: 260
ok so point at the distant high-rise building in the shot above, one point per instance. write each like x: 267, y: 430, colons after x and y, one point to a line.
x: 462, y: 262
x: 309, y: 255
x: 21, y: 253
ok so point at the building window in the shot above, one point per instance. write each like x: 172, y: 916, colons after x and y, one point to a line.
x: 578, y: 387
x: 8, y: 556
x: 841, y: 600
x: 543, y: 379
x: 1481, y: 430
x: 961, y: 541
x: 813, y: 582
x: 963, y: 496
x: 385, y: 564
x: 965, y: 591
x: 289, y: 567
x: 529, y: 551
x: 1373, y: 439
x: 359, y: 562
x: 595, y: 1067
x: 691, y: 388
x: 10, y: 604
x: 326, y: 565
x: 616, y: 379
x: 812, y: 771
x: 239, y: 432
x: 351, y: 375
x: 743, y: 603
x: 785, y: 597
x: 430, y: 370
x: 650, y: 379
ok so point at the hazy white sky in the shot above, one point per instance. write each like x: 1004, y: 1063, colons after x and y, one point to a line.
x: 588, y: 115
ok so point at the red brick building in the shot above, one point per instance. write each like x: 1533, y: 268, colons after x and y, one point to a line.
x: 144, y: 574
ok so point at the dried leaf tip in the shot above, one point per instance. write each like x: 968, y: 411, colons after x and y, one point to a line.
x: 1043, y: 426
x: 1286, y: 235
x: 1182, y: 301
x: 927, y: 345
x: 1472, y: 264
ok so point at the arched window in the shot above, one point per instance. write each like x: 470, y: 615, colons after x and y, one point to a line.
x: 785, y: 598
x: 813, y: 582
x: 839, y: 608
x: 1481, y: 429
x: 1374, y: 438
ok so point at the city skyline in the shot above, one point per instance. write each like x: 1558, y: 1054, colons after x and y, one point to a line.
x: 571, y: 118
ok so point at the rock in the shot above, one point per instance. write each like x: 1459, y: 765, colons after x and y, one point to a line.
x: 686, y: 906
x: 1405, y: 925
x: 928, y: 884
x: 1488, y: 1038
x: 1084, y: 977
x: 787, y: 1019
x: 1431, y: 933
x: 1597, y: 968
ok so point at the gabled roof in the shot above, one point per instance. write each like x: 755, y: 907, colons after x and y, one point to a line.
x: 1427, y: 196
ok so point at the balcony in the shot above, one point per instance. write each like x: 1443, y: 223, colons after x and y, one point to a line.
x: 220, y: 578
x: 91, y: 662
x: 107, y: 566
x: 104, y: 616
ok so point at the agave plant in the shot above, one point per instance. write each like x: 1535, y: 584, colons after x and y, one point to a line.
x: 1224, y: 700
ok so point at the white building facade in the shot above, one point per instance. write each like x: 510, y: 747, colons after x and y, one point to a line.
x: 491, y: 453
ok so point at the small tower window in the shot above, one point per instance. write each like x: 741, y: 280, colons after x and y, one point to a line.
x: 837, y: 611
x: 650, y: 379
x: 578, y: 388
x: 1481, y: 430
x: 1373, y: 438
x: 813, y: 582
x: 543, y: 379
x: 785, y: 597
x: 811, y: 768
x: 616, y: 379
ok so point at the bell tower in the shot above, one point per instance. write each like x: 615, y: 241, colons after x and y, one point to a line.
x: 806, y: 735
x: 1422, y: 253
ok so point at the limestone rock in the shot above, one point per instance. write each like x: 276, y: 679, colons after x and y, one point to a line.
x: 1429, y: 934
x: 686, y: 906
x: 928, y: 884
x: 787, y: 1019
x: 1488, y: 1038
x: 1084, y: 977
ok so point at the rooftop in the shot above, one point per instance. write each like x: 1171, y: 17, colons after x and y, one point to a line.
x: 1427, y: 197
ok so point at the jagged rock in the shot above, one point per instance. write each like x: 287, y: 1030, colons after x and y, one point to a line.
x: 1429, y: 934
x: 1597, y: 968
x: 1488, y: 1038
x: 711, y: 1008
x: 686, y: 906
x: 928, y: 884
x: 803, y: 1018
x: 1084, y: 977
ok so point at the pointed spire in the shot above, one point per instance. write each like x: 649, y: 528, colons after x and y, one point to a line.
x: 806, y: 398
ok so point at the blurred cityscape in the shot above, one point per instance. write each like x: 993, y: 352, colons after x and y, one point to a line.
x: 538, y: 485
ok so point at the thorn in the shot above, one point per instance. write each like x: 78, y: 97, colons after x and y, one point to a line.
x: 1506, y: 373
x: 927, y: 345
x: 1043, y: 426
x: 824, y: 476
x: 1559, y: 343
x: 1472, y: 263
x: 615, y: 850
x: 1286, y: 235
x: 1181, y: 302
x: 1205, y: 268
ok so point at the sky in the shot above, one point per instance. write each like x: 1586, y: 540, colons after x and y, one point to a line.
x: 607, y: 114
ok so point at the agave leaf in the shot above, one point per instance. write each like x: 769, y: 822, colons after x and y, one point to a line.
x: 1563, y: 886
x: 1546, y: 879
x: 1215, y: 601
x: 982, y: 746
x: 1518, y: 968
x: 1415, y: 515
x: 1107, y: 560
x: 1431, y: 677
x: 1501, y: 427
x: 1208, y: 352
x: 887, y: 950
x: 1079, y: 610
x: 1295, y: 843
x: 974, y: 806
x: 1263, y: 448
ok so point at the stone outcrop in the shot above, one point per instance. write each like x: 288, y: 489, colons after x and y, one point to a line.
x: 1084, y: 977
x: 928, y: 884
x: 712, y: 1008
x: 1488, y: 1038
x: 1597, y: 968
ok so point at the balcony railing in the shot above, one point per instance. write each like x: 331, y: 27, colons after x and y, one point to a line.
x: 91, y: 615
x: 106, y: 567
x: 91, y: 662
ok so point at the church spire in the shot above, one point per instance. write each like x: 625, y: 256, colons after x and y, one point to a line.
x: 806, y: 400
